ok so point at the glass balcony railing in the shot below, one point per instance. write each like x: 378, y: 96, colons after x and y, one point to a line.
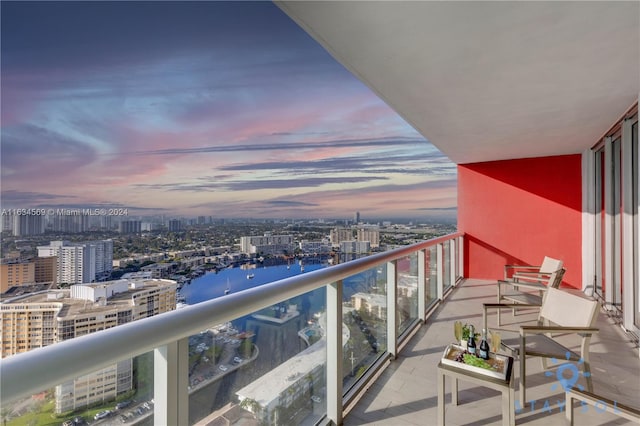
x: 294, y: 351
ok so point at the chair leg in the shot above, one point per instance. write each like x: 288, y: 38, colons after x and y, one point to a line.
x: 523, y: 372
x: 498, y: 310
x: 543, y: 360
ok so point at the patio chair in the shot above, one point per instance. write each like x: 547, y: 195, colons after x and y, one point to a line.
x: 569, y: 314
x: 527, y: 292
x: 532, y: 273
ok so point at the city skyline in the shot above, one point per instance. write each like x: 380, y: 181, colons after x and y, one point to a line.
x: 200, y: 108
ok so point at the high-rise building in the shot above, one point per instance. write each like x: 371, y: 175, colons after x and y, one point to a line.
x: 7, y: 222
x: 46, y: 269
x: 21, y: 272
x: 356, y: 218
x: 38, y: 320
x: 70, y: 223
x: 355, y: 247
x: 130, y: 227
x: 106, y: 222
x: 175, y: 225
x: 16, y: 273
x: 80, y: 262
x: 267, y: 244
x: 338, y: 235
x: 369, y: 234
x: 315, y: 246
x: 24, y: 225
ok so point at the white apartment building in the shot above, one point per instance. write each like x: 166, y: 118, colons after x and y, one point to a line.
x: 315, y: 246
x: 267, y: 244
x: 24, y: 225
x: 338, y: 235
x: 355, y: 247
x: 38, y: 320
x: 80, y: 262
x: 369, y: 234
x: 374, y: 304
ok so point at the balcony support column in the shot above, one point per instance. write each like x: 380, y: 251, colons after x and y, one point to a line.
x: 392, y: 308
x: 170, y: 383
x: 422, y: 284
x: 440, y: 271
x: 627, y: 272
x: 334, y: 352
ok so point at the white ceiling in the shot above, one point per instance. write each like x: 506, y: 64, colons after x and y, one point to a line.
x: 489, y: 80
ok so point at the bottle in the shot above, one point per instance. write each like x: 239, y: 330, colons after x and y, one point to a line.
x: 471, y: 343
x: 484, y: 346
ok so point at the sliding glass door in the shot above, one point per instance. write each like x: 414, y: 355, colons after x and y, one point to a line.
x: 616, y: 196
x: 635, y: 149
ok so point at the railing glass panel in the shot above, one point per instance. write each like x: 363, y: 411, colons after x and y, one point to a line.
x: 431, y: 274
x: 119, y: 393
x: 407, y: 292
x: 268, y: 366
x: 204, y: 364
x: 456, y: 257
x: 446, y: 265
x: 364, y: 316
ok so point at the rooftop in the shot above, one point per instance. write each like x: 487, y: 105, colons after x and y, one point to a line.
x: 77, y: 306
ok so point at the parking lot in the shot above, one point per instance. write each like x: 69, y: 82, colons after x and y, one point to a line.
x: 125, y: 414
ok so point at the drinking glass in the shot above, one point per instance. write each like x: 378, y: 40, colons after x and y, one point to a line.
x: 457, y: 331
x: 495, y: 340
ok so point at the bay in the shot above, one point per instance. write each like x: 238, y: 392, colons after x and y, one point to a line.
x: 214, y: 284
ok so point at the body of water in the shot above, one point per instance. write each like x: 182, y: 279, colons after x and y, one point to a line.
x: 213, y: 285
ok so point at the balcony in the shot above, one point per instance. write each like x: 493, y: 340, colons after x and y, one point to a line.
x: 538, y: 107
x: 405, y: 393
x: 374, y: 362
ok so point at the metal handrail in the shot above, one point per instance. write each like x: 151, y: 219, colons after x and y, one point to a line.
x: 30, y: 372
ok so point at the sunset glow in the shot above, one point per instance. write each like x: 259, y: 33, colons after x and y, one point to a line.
x: 199, y: 108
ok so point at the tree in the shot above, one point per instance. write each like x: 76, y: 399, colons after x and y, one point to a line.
x: 5, y: 414
x: 251, y: 405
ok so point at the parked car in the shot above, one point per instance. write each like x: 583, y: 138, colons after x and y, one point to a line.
x: 102, y: 415
x: 123, y: 404
x: 223, y: 368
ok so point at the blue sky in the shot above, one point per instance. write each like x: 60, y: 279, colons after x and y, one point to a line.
x: 226, y: 109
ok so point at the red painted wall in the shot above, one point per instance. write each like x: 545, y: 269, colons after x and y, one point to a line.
x: 518, y: 211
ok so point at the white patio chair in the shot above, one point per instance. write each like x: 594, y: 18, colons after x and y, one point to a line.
x: 532, y: 273
x: 527, y: 292
x: 560, y: 312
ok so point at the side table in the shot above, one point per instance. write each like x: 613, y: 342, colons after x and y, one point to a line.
x: 504, y: 386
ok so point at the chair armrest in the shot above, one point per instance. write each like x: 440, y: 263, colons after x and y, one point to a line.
x: 531, y: 275
x: 538, y: 329
x: 522, y: 266
x: 507, y: 268
x: 518, y: 277
x: 487, y: 306
x: 509, y: 306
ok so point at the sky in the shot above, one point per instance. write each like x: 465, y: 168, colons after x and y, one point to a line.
x: 223, y: 109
